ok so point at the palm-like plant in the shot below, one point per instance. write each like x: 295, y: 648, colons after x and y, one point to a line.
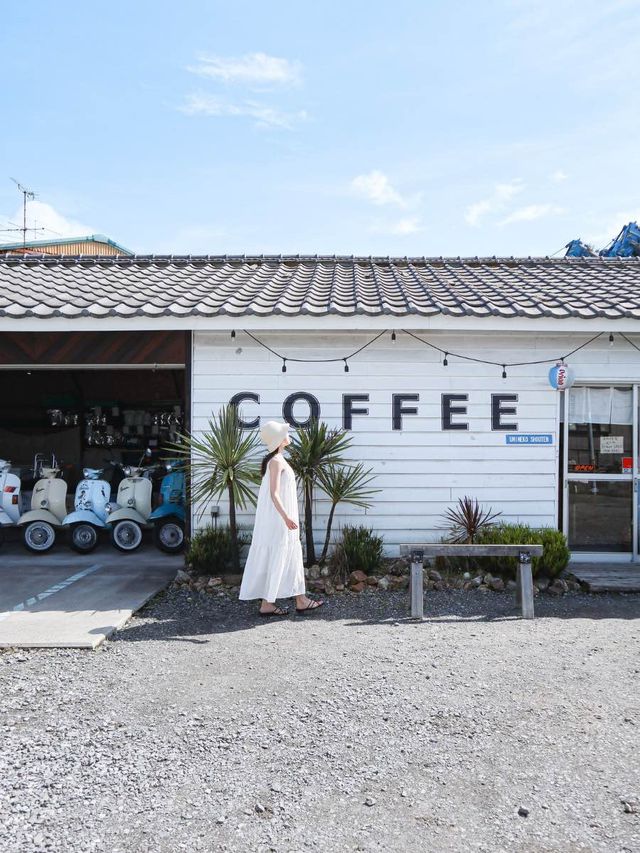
x: 222, y: 459
x: 313, y: 448
x: 467, y: 519
x: 348, y: 484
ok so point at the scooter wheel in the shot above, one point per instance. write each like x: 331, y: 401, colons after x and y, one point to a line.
x: 84, y: 538
x: 38, y: 537
x: 169, y: 537
x: 126, y: 536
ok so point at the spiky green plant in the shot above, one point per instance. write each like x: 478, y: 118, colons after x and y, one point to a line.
x: 467, y: 519
x: 312, y: 449
x: 348, y: 484
x: 218, y: 460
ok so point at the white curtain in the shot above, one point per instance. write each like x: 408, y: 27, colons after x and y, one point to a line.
x: 591, y: 405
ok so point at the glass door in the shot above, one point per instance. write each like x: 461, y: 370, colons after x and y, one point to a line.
x: 600, y: 507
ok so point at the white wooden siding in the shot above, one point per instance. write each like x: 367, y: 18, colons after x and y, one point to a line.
x: 421, y: 470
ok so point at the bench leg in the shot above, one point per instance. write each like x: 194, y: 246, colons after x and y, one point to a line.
x: 416, y: 586
x: 524, y: 586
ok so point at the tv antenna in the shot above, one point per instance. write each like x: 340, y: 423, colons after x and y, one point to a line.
x: 27, y: 195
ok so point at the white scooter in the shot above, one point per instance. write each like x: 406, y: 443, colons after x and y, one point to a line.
x: 9, y: 496
x: 91, y: 511
x: 134, y: 508
x: 48, y: 510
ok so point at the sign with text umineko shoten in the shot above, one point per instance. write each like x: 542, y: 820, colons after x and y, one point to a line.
x: 524, y: 438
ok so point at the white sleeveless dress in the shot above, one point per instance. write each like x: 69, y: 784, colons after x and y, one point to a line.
x: 274, y: 567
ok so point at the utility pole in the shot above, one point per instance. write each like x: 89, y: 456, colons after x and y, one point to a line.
x: 26, y: 194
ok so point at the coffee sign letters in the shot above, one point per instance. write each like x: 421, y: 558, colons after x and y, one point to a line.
x: 453, y: 410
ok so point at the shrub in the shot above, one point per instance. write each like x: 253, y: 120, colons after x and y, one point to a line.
x: 555, y: 556
x: 357, y: 549
x: 212, y: 552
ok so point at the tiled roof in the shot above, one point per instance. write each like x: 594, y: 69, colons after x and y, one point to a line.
x: 156, y: 286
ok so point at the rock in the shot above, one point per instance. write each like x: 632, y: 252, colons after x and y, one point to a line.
x: 523, y: 812
x: 329, y: 588
x: 372, y: 581
x: 339, y: 587
x: 497, y: 584
x: 427, y: 584
x: 260, y: 808
x: 555, y: 589
x: 213, y: 582
x: 398, y: 567
x: 467, y: 576
x: 357, y: 577
x: 182, y: 576
x: 434, y: 575
x: 318, y: 584
x: 512, y: 586
x: 314, y: 572
x: 383, y: 583
x: 324, y: 572
x: 630, y: 806
x: 439, y: 585
x: 357, y: 587
x: 477, y: 581
x: 232, y: 580
x: 488, y: 579
x: 542, y: 583
x: 369, y: 801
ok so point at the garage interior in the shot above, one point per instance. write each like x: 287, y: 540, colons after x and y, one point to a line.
x: 90, y: 399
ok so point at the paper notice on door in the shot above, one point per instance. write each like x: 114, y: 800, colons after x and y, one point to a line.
x: 612, y: 444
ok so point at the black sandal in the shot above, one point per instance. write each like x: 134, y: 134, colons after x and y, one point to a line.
x: 311, y: 607
x: 279, y: 611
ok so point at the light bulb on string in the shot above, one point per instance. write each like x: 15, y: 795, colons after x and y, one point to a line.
x: 611, y: 339
x: 284, y: 365
x: 346, y: 366
x: 445, y: 360
x: 504, y: 371
x: 233, y: 334
x: 393, y: 336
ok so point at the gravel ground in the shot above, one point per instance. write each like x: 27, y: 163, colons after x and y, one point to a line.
x: 201, y: 727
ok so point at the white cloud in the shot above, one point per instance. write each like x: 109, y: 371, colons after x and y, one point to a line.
x: 252, y: 69
x: 377, y: 188
x: 263, y: 116
x: 531, y: 212
x: 497, y: 201
x: 41, y: 215
x: 559, y: 176
x: 408, y: 225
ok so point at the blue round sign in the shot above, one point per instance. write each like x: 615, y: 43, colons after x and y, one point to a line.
x: 561, y: 377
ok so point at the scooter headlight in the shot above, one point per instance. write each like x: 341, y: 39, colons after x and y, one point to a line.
x: 85, y: 473
x: 126, y: 471
x: 44, y: 503
x: 131, y: 502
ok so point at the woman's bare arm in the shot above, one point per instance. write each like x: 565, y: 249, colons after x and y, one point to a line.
x: 275, y: 469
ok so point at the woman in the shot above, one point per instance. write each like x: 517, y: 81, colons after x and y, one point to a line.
x: 274, y: 566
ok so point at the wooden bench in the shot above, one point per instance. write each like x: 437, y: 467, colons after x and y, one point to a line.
x: 524, y: 578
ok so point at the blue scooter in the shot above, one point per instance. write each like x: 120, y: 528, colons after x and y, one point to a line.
x: 169, y: 517
x: 91, y: 511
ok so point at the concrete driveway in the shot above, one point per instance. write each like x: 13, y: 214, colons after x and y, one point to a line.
x: 68, y: 600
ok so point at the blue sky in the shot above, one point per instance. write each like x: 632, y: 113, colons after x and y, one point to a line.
x: 416, y: 127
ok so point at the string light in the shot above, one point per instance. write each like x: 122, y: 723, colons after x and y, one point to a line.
x: 233, y: 334
x: 444, y: 353
x: 610, y: 339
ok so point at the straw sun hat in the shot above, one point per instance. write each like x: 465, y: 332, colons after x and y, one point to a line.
x: 273, y: 434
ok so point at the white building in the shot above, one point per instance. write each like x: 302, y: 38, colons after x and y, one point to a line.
x: 154, y: 332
